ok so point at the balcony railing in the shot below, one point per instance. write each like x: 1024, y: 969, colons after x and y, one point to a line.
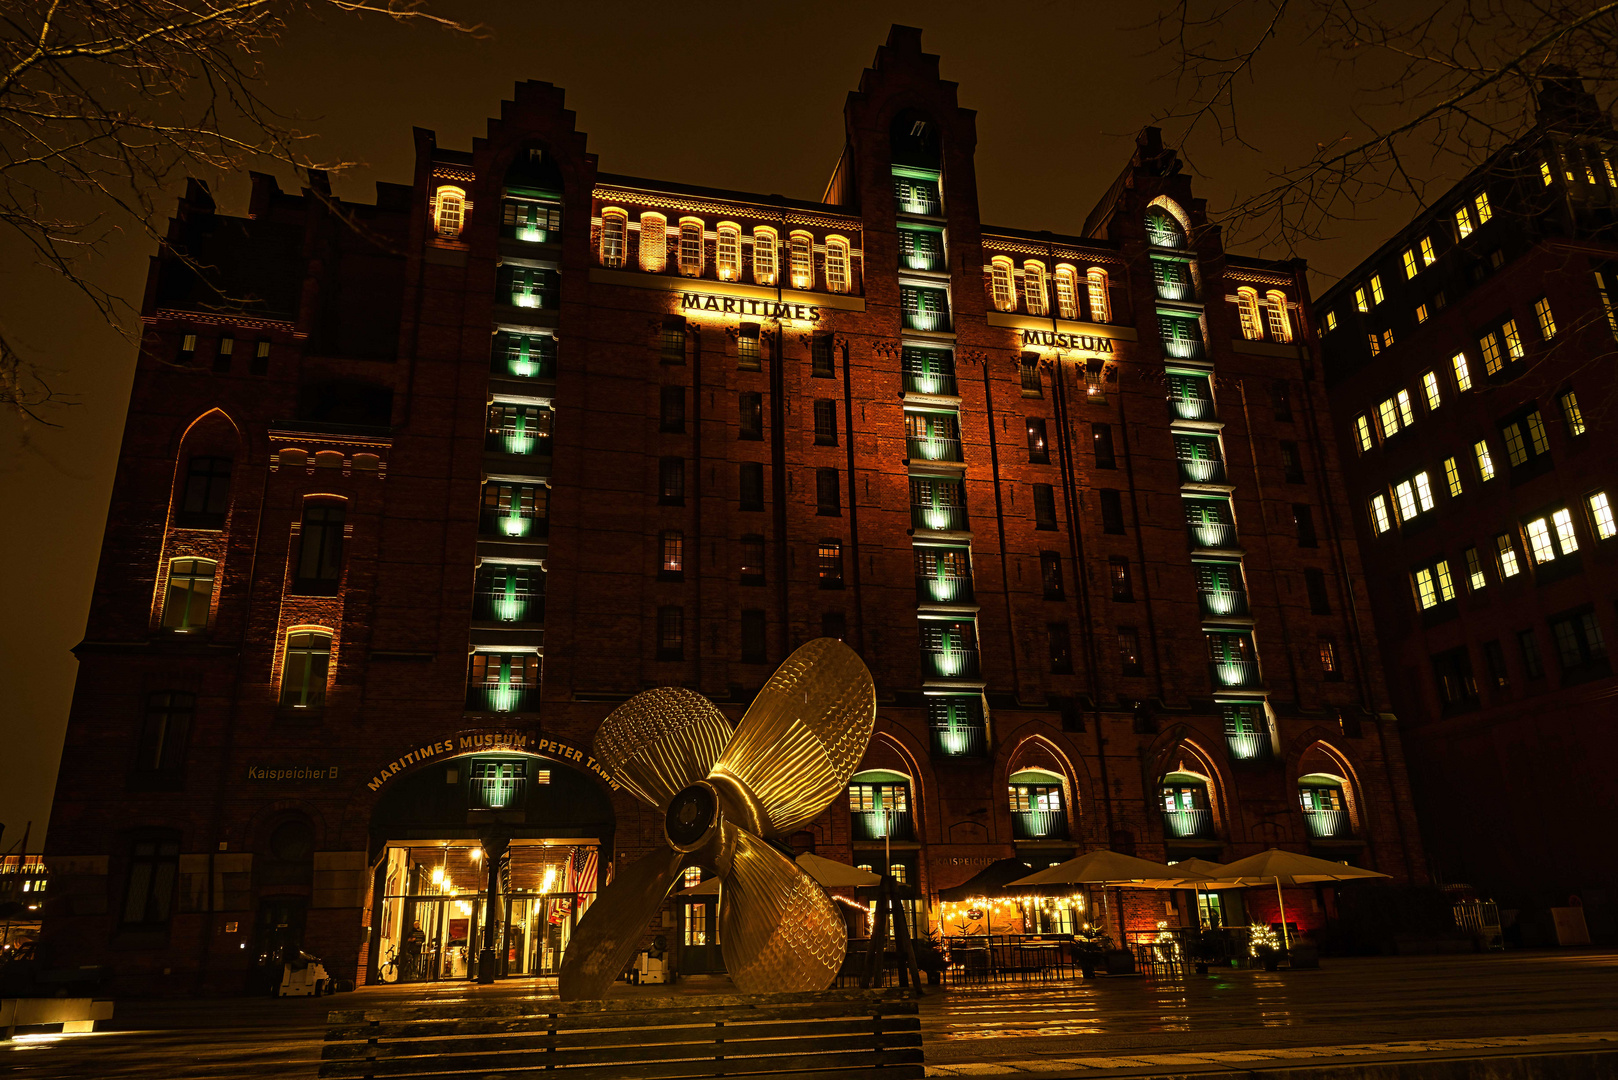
x: 939, y: 518
x: 882, y: 825
x: 943, y: 589
x: 1211, y: 534
x: 1038, y: 825
x: 926, y: 382
x: 1188, y: 824
x: 491, y: 697
x: 499, y: 792
x: 526, y: 361
x: 1217, y: 602
x: 498, y: 605
x: 1328, y: 824
x: 1191, y: 408
x: 1247, y: 745
x: 1202, y: 472
x: 933, y: 448
x: 512, y: 441
x: 1233, y: 674
x: 514, y: 524
x: 961, y: 739
x: 949, y: 663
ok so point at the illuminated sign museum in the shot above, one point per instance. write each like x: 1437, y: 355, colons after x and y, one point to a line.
x: 1051, y: 339
x: 742, y: 305
x: 518, y: 741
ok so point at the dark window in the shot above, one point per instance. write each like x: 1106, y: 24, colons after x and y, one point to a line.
x: 163, y: 734
x: 1038, y: 451
x: 752, y: 415
x: 1101, y: 435
x: 1122, y: 588
x: 671, y: 544
x: 1314, y: 584
x: 834, y: 625
x: 752, y: 564
x: 1112, y: 511
x: 1452, y: 671
x: 828, y: 497
x: 1061, y: 648
x: 222, y: 353
x: 670, y: 633
x: 829, y: 558
x: 1304, y: 518
x: 260, y: 363
x: 320, y: 548
x: 751, y: 484
x: 1328, y: 660
x: 1281, y: 398
x: 1029, y: 368
x: 1533, y: 667
x: 1579, y: 642
x: 154, y: 866
x: 671, y: 481
x: 825, y: 423
x: 671, y: 343
x: 188, y: 349
x: 747, y: 350
x: 752, y: 636
x: 1494, y: 657
x: 1291, y: 463
x: 822, y: 363
x: 1044, y: 507
x: 672, y: 409
x: 1050, y: 574
x: 304, y: 670
x: 1129, y: 651
x: 207, y: 493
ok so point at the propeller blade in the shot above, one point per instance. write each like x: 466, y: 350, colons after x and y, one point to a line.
x: 779, y: 931
x: 613, y: 927
x: 804, y: 734
x: 661, y: 741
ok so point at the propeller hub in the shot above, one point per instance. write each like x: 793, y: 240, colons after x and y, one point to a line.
x: 692, y: 817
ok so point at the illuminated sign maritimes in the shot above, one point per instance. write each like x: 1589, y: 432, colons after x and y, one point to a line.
x: 1051, y: 339
x: 742, y: 305
x: 474, y: 742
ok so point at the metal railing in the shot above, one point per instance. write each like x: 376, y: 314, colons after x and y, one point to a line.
x: 949, y: 663
x: 492, y: 697
x: 938, y: 518
x: 881, y: 825
x: 964, y: 739
x: 514, y: 523
x: 508, y: 440
x: 1328, y: 824
x: 1196, y: 824
x: 926, y: 382
x: 1038, y: 825
x: 497, y: 605
x: 1190, y: 408
x: 933, y: 448
x: 1204, y: 471
x: 1247, y: 745
x: 1211, y: 534
x: 943, y: 589
x: 1218, y: 602
x: 1233, y: 674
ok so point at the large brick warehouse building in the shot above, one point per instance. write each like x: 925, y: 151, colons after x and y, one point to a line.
x: 413, y: 494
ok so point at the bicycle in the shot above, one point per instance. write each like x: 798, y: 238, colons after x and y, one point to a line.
x: 388, y: 970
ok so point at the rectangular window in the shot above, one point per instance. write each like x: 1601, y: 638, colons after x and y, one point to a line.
x: 1314, y: 583
x: 1387, y: 415
x: 748, y: 355
x: 1538, y: 441
x: 1112, y: 510
x: 1434, y: 585
x: 1376, y: 289
x: 1291, y: 462
x: 670, y: 633
x: 924, y: 309
x: 1547, y: 321
x: 1507, y: 551
x: 1379, y: 513
x: 304, y: 672
x: 1508, y: 331
x: 1303, y: 517
x: 753, y: 650
x: 1494, y: 658
x: 1028, y: 369
x: 1038, y: 450
x: 1566, y: 540
x: 222, y: 353
x: 260, y: 364
x: 188, y: 599
x: 1129, y: 651
x: 206, y: 498
x: 1579, y: 641
x: 822, y: 358
x: 163, y: 733
x: 1328, y: 659
x: 1452, y: 476
x: 751, y: 562
x: 829, y: 559
x: 1101, y: 438
x: 671, y: 481
x: 1050, y: 574
x: 671, y: 340
x: 1485, y: 463
x: 1359, y: 300
x: 1331, y: 321
x: 1453, y: 672
x: 1463, y: 375
x: 320, y: 548
x: 188, y: 349
x: 672, y: 543
x: 750, y: 408
x: 1601, y: 517
x: 1407, y: 412
x: 1123, y: 589
x: 1429, y: 386
x: 1387, y: 338
x: 825, y: 423
x: 828, y: 496
x: 1538, y: 532
x: 1463, y: 222
x: 1427, y: 255
x: 1362, y: 428
x: 1044, y: 507
x: 1490, y: 345
x: 1571, y: 413
x: 1421, y: 313
x: 1475, y: 579
x: 671, y: 409
x: 728, y: 254
x: 920, y: 248
x: 1528, y: 644
x: 1060, y: 644
x: 1482, y: 204
x: 750, y: 485
x: 764, y: 243
x: 154, y: 867
x: 1410, y: 263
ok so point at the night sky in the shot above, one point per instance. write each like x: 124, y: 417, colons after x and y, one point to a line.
x: 746, y: 97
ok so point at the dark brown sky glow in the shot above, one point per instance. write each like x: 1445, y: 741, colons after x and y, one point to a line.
x: 745, y: 97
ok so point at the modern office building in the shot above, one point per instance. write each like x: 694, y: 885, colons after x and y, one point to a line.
x: 1468, y: 362
x: 414, y: 493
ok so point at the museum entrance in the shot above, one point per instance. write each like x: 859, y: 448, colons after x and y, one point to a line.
x: 530, y: 830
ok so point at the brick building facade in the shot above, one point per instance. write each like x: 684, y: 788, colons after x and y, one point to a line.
x: 1467, y: 363
x: 412, y: 494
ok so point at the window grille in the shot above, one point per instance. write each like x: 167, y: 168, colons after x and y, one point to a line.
x: 654, y: 242
x: 803, y: 261
x: 1067, y: 297
x: 837, y: 265
x: 1100, y: 304
x: 188, y: 597
x: 1033, y: 282
x: 614, y: 231
x: 764, y: 241
x: 691, y: 248
x: 728, y: 253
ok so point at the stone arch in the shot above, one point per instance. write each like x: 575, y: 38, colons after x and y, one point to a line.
x: 1037, y: 749
x: 892, y: 748
x: 1178, y: 751
x: 1313, y: 752
x: 1174, y: 210
x: 212, y: 432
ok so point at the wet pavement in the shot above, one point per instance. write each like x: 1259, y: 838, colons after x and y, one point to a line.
x: 1366, y: 1008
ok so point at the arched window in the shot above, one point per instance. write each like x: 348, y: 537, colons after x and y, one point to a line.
x: 1247, y: 308
x: 614, y: 232
x: 1033, y: 285
x: 1187, y: 813
x: 304, y: 667
x: 1280, y: 321
x: 1038, y: 805
x: 188, y: 596
x: 764, y: 262
x: 837, y: 264
x: 691, y: 247
x: 728, y: 252
x: 320, y: 547
x: 205, y: 499
x: 449, y: 213
x: 1162, y: 229
x: 1000, y: 283
x: 803, y: 260
x: 1067, y: 292
x: 1100, y: 303
x: 654, y: 242
x: 879, y: 805
x: 1323, y: 797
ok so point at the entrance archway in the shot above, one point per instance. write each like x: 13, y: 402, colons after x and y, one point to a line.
x: 484, y: 863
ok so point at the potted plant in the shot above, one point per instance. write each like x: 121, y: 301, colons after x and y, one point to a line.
x: 1091, y: 947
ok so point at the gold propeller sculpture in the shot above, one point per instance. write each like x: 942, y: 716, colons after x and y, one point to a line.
x: 723, y: 795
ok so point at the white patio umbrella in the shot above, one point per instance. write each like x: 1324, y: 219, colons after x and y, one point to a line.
x: 1289, y: 868
x: 1103, y: 867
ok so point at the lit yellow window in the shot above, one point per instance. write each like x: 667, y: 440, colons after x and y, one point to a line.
x: 1275, y: 306
x: 1485, y: 462
x: 1545, y: 173
x: 1359, y: 300
x: 1612, y: 180
x: 1033, y: 287
x: 1601, y: 516
x: 1426, y: 594
x: 1513, y: 339
x: 1562, y: 520
x: 1539, y: 540
x: 1489, y: 344
x: 1463, y: 223
x: 1421, y: 313
x: 654, y: 242
x: 1482, y: 203
x: 1429, y: 386
x: 1005, y: 293
x: 1536, y: 433
x: 1404, y: 494
x: 1427, y: 255
x: 1571, y: 413
x: 1452, y: 475
x: 1067, y: 294
x: 450, y: 214
x: 1375, y: 343
x: 691, y: 258
x: 1410, y: 263
x: 1362, y: 427
x: 1508, y: 556
x: 1376, y: 289
x: 1463, y: 376
x: 1387, y: 414
x: 1379, y: 513
x: 1547, y: 321
x: 1247, y: 309
x: 728, y: 253
x: 1387, y: 338
x: 838, y: 272
x: 764, y: 241
x: 803, y: 260
x: 1475, y: 578
x: 614, y: 236
x: 1100, y: 305
x: 1424, y: 491
x: 1407, y: 411
x: 1331, y: 321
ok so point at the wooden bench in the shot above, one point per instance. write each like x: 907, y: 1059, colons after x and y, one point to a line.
x: 826, y: 1036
